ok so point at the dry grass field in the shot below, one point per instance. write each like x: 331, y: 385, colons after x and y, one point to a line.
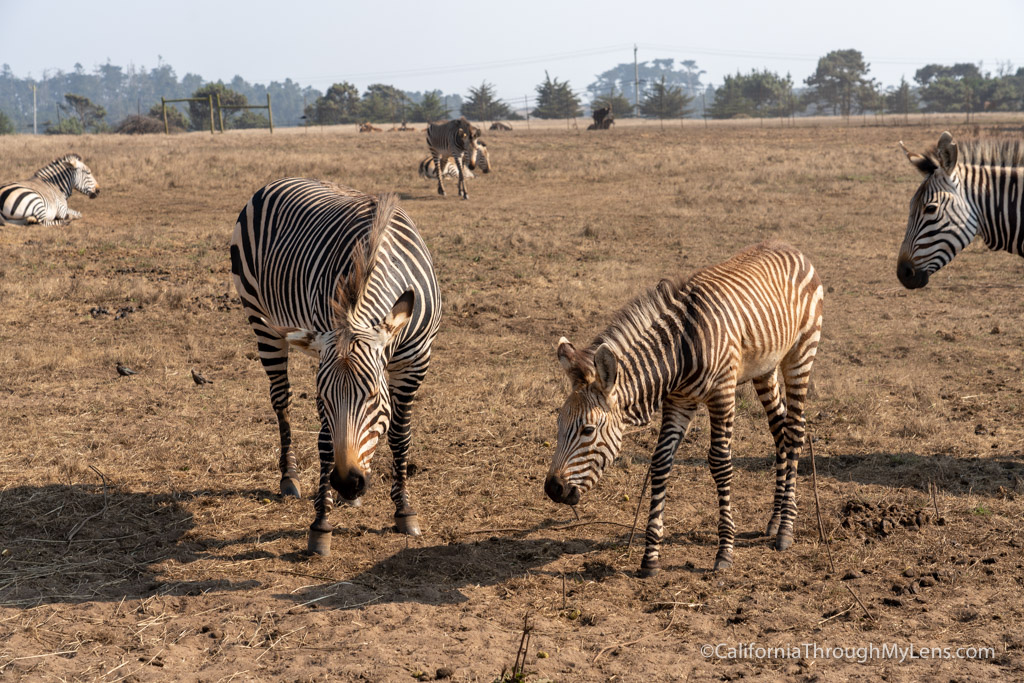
x: 140, y: 530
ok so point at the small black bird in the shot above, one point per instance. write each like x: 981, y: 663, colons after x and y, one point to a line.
x: 199, y: 379
x: 124, y: 370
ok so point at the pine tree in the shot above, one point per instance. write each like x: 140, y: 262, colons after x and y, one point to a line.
x: 556, y: 100
x: 665, y: 101
x: 483, y: 104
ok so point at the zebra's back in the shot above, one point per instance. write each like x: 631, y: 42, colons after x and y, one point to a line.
x: 294, y: 240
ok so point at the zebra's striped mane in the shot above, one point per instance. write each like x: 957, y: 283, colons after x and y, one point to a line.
x: 57, y: 163
x: 634, y: 318
x: 1000, y: 153
x: 364, y: 257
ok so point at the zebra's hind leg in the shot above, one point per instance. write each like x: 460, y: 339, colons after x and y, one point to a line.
x: 403, y: 385
x: 796, y: 371
x: 274, y: 357
x: 722, y: 409
x: 437, y: 168
x: 767, y: 387
x: 675, y: 420
x: 319, y: 542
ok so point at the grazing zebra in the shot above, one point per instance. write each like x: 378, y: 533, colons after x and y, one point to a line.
x: 345, y: 277
x: 43, y: 198
x: 429, y: 171
x: 970, y: 189
x: 455, y: 139
x: 688, y: 342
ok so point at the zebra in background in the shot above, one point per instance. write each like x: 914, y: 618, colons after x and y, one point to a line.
x: 43, y: 198
x: 345, y: 277
x: 978, y: 188
x: 455, y: 139
x: 689, y: 342
x: 429, y: 171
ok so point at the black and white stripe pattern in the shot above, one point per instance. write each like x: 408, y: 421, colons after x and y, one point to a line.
x: 456, y: 139
x: 43, y: 198
x: 688, y: 342
x: 429, y: 171
x: 346, y: 277
x: 977, y: 187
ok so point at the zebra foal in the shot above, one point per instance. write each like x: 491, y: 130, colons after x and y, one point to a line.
x: 455, y: 139
x: 684, y: 343
x: 970, y: 189
x: 43, y: 198
x: 429, y: 171
x: 345, y: 277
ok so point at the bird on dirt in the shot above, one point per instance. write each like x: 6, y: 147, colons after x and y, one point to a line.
x: 124, y: 370
x: 200, y: 379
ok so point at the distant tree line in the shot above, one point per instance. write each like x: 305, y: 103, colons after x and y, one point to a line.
x: 78, y: 102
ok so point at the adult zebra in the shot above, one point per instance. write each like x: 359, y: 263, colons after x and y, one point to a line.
x: 346, y: 277
x: 970, y: 189
x: 43, y: 198
x: 456, y: 139
x: 688, y: 342
x: 429, y: 171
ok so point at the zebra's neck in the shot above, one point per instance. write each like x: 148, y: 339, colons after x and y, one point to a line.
x: 645, y: 337
x: 996, y: 199
x: 59, y: 176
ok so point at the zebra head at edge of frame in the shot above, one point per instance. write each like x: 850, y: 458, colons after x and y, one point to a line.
x: 590, y: 424
x: 940, y: 222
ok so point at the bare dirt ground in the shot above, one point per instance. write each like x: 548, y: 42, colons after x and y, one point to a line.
x: 140, y: 530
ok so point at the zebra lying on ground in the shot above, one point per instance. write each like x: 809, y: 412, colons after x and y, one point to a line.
x: 970, y: 189
x: 456, y: 139
x: 688, y: 342
x: 43, y: 198
x: 428, y: 169
x: 346, y: 277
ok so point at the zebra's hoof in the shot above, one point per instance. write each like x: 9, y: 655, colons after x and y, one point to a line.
x: 410, y: 524
x: 290, y: 487
x: 773, y: 528
x: 650, y: 569
x: 319, y: 543
x: 723, y: 561
x: 783, y: 541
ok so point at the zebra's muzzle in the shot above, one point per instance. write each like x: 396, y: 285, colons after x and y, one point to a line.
x: 351, y: 486
x: 560, y: 491
x: 95, y: 193
x: 911, y: 277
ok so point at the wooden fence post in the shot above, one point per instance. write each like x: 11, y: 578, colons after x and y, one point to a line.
x: 209, y: 99
x: 163, y: 106
x: 220, y: 113
x: 270, y: 113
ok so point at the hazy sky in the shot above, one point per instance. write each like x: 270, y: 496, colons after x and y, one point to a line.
x: 451, y: 45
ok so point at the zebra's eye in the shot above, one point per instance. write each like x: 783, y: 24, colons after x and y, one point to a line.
x: 588, y: 430
x: 931, y: 208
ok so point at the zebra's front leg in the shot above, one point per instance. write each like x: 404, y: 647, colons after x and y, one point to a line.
x: 403, y: 390
x: 440, y: 181
x: 722, y: 412
x: 767, y: 387
x: 462, y: 178
x: 320, y: 530
x: 675, y: 419
x: 72, y: 215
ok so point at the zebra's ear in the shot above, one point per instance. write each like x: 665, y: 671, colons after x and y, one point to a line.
x: 946, y: 151
x: 607, y: 367
x: 922, y: 163
x: 399, y: 316
x: 307, y: 341
x: 566, y: 354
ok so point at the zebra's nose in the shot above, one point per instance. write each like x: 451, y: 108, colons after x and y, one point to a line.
x: 560, y: 491
x: 910, y: 277
x: 351, y: 486
x: 94, y: 193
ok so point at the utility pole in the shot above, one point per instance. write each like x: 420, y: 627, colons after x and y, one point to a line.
x: 526, y: 103
x: 636, y: 84
x: 35, y: 118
